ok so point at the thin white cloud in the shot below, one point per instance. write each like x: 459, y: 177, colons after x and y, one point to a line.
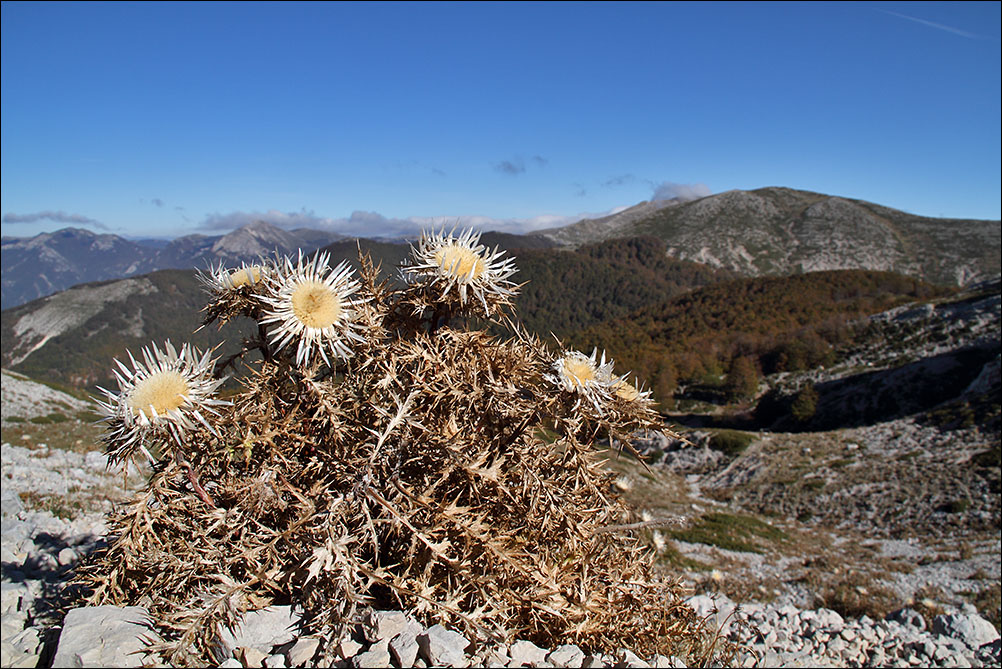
x: 56, y: 216
x: 932, y: 24
x: 668, y: 190
x: 375, y: 225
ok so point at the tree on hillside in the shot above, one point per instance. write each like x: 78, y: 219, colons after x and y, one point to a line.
x: 805, y: 404
x: 742, y: 379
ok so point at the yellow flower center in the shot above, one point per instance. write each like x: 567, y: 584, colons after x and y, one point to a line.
x: 315, y: 304
x: 244, y: 276
x: 626, y: 391
x: 579, y: 371
x: 163, y: 391
x: 459, y: 261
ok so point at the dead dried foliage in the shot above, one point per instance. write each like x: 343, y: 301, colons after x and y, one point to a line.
x: 412, y: 475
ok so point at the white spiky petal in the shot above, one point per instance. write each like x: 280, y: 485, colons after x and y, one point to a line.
x: 164, y: 394
x: 461, y: 264
x: 310, y: 303
x: 630, y: 392
x: 221, y: 279
x: 588, y: 376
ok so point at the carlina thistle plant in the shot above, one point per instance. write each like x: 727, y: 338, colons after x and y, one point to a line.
x: 379, y: 455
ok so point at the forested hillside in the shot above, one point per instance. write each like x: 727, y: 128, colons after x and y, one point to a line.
x: 566, y: 291
x: 736, y: 330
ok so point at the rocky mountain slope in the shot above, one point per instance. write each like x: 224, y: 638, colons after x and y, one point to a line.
x: 592, y: 230
x: 51, y: 262
x: 772, y: 231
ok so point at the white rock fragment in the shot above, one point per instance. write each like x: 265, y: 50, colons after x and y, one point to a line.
x: 275, y: 662
x: 347, y: 648
x: 567, y: 655
x: 250, y: 656
x: 524, y: 653
x: 972, y: 629
x: 302, y: 651
x: 441, y: 647
x: 404, y: 646
x: 104, y: 636
x: 263, y: 629
x: 381, y: 625
x: 377, y: 656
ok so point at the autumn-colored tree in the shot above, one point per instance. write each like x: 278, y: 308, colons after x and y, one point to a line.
x: 742, y: 379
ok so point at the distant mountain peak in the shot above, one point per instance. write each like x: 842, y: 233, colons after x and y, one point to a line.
x: 255, y: 239
x: 777, y: 230
x: 605, y: 227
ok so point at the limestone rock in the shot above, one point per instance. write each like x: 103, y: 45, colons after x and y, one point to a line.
x: 567, y: 655
x: 377, y: 656
x: 302, y: 651
x: 104, y: 636
x: 379, y: 625
x: 404, y: 646
x: 440, y: 646
x: 526, y: 653
x: 717, y: 610
x: 972, y: 629
x: 263, y: 629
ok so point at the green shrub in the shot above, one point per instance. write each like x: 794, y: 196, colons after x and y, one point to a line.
x: 50, y: 418
x: 805, y: 404
x: 731, y: 442
x: 957, y: 505
x: 731, y: 532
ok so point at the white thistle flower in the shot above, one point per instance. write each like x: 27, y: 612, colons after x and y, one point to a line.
x: 584, y: 375
x: 221, y: 279
x: 166, y: 394
x: 462, y: 264
x: 629, y: 392
x: 313, y: 304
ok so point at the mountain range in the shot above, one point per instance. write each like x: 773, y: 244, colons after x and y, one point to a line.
x: 768, y: 231
x: 50, y: 262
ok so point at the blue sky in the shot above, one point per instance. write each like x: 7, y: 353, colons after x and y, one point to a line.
x: 155, y: 119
